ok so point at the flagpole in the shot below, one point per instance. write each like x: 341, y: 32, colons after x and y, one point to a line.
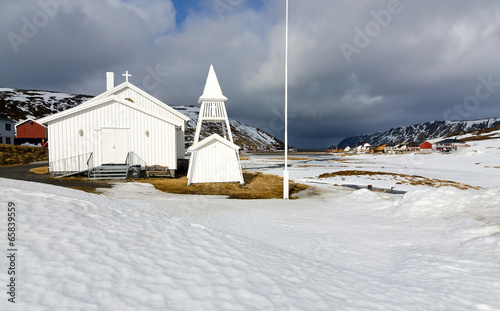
x: 285, y: 172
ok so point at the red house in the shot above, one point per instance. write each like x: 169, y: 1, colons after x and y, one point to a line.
x: 426, y: 146
x: 29, y: 131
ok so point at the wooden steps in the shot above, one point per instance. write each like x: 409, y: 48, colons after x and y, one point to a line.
x: 115, y: 171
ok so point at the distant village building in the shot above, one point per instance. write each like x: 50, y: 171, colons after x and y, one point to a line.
x: 30, y: 131
x: 400, y: 148
x: 115, y: 130
x: 426, y: 146
x: 412, y: 146
x: 215, y: 158
x: 390, y: 149
x: 363, y: 148
x: 7, y: 127
x: 451, y: 145
x: 377, y: 149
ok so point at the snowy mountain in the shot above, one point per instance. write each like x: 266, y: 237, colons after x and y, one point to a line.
x: 22, y: 104
x: 418, y: 132
x: 242, y: 134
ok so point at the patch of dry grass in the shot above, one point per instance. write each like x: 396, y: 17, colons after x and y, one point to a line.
x: 257, y: 186
x: 403, y: 179
x: 18, y: 155
x: 479, y: 134
x: 44, y: 170
x: 478, y: 138
x: 296, y: 158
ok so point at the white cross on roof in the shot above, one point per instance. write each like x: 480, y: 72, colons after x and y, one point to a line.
x: 126, y: 75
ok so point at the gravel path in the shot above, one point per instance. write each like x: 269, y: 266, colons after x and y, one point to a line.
x: 21, y: 172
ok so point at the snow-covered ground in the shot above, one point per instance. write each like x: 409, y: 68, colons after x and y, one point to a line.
x: 136, y: 248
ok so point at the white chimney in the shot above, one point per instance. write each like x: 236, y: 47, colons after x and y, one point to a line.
x: 110, y: 80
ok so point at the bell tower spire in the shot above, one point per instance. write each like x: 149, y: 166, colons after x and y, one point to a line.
x: 213, y: 109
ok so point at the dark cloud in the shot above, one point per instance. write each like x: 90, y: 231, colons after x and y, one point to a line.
x: 355, y: 66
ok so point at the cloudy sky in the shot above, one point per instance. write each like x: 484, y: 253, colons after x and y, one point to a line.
x: 355, y: 66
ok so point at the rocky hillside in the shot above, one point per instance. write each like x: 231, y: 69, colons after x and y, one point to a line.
x: 418, y: 132
x: 22, y: 104
x: 243, y: 135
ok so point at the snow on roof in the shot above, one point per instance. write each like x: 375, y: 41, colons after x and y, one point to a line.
x: 28, y: 119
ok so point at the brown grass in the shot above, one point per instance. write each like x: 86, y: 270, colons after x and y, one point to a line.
x: 18, y: 155
x: 478, y: 138
x: 257, y: 186
x: 295, y: 158
x: 414, y: 180
x: 44, y: 170
x: 479, y: 134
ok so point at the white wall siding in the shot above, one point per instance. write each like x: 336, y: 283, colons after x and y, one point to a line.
x: 65, y: 140
x: 214, y: 162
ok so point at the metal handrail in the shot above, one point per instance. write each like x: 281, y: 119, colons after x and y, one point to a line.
x: 133, y: 159
x: 62, y: 166
x: 90, y: 164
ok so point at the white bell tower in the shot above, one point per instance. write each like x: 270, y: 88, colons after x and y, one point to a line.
x: 213, y: 108
x: 215, y: 158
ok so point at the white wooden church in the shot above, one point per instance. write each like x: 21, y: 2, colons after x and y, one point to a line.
x: 120, y: 128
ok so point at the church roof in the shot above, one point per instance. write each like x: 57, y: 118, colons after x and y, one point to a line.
x: 129, y: 85
x: 103, y: 101
x: 212, y: 91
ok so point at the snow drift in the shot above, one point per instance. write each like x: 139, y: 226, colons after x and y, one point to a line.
x: 139, y: 249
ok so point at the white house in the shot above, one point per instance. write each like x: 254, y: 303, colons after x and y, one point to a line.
x: 390, y: 149
x: 451, y: 145
x: 364, y: 147
x: 122, y: 126
x: 215, y: 158
x: 6, y: 131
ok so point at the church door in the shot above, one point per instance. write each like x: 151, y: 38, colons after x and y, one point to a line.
x: 114, y: 145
